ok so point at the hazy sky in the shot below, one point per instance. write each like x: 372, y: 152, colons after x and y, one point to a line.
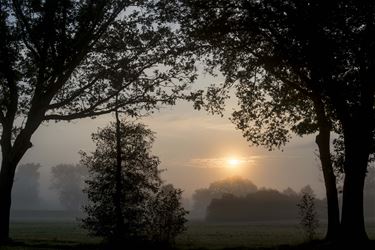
x: 193, y: 146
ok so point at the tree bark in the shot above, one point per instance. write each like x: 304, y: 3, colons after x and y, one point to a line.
x: 6, y: 183
x: 11, y: 156
x: 323, y: 142
x: 357, y: 147
x: 353, y: 225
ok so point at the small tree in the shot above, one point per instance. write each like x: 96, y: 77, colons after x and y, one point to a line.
x: 307, y: 212
x: 167, y: 215
x: 142, y: 204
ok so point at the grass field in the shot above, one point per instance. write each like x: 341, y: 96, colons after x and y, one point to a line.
x: 200, y: 235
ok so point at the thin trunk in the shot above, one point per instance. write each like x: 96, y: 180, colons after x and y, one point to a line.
x: 333, y: 228
x: 118, y: 195
x: 357, y: 144
x: 323, y: 142
x: 6, y: 183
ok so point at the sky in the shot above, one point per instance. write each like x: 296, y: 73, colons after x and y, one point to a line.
x: 194, y: 147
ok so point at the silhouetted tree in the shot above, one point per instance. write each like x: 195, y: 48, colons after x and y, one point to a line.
x: 306, y: 63
x: 234, y: 185
x: 68, y: 180
x: 166, y: 216
x: 307, y: 212
x: 58, y: 60
x: 201, y: 199
x: 26, y: 187
x: 141, y: 198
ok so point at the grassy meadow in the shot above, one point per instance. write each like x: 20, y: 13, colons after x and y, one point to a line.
x: 199, y: 235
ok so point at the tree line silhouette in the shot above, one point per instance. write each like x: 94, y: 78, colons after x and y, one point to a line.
x: 236, y: 199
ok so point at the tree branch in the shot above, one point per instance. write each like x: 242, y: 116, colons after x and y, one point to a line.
x: 85, y: 43
x: 20, y: 16
x: 74, y: 95
x: 90, y: 113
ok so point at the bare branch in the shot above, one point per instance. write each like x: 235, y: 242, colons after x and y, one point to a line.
x: 90, y: 112
x: 74, y: 95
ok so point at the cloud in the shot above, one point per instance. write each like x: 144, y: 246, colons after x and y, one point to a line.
x: 221, y: 162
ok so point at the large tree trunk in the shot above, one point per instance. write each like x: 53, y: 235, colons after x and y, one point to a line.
x: 323, y: 141
x: 353, y: 225
x: 11, y: 156
x: 357, y: 147
x: 6, y: 183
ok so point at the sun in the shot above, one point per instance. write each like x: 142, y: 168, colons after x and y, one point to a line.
x: 233, y: 162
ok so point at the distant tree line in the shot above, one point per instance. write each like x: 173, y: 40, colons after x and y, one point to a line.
x: 234, y: 185
x: 67, y: 180
x: 26, y: 191
x: 237, y: 199
x: 263, y: 205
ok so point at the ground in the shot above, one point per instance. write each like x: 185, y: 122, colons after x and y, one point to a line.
x: 49, y: 234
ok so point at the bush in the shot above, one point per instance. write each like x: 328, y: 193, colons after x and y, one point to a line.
x: 308, y: 213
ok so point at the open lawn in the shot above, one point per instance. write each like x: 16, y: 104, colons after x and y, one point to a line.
x: 200, y: 235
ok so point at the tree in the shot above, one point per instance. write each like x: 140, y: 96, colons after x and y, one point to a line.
x: 233, y: 185
x: 166, y: 215
x: 307, y: 212
x: 68, y: 180
x: 290, y: 192
x: 317, y: 55
x: 26, y: 187
x: 138, y: 197
x: 59, y: 60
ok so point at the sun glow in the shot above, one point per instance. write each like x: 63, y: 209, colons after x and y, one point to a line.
x: 233, y: 162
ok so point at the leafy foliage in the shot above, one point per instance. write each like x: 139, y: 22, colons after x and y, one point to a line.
x: 69, y: 54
